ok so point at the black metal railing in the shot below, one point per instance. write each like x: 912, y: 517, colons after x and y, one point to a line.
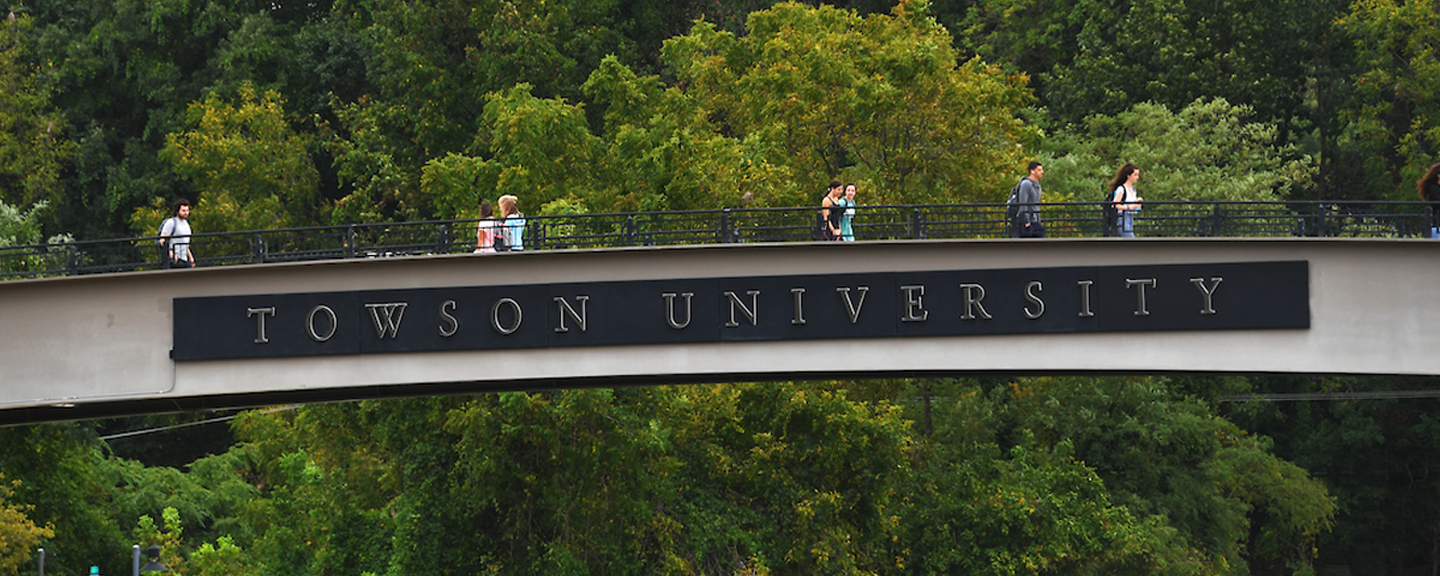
x: 731, y: 225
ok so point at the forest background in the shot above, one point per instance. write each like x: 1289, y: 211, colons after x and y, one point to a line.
x: 272, y: 114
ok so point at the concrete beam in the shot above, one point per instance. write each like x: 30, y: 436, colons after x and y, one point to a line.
x: 99, y: 345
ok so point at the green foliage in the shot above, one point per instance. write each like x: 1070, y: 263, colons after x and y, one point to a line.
x: 1398, y: 48
x: 1376, y: 457
x: 663, y: 152
x: 1040, y: 476
x: 224, y: 558
x: 1094, y: 57
x: 250, y: 167
x: 1209, y: 150
x: 321, y: 488
x: 61, y: 472
x: 33, y: 149
x: 1229, y: 497
x: 795, y: 475
x: 879, y: 99
x: 432, y: 64
x: 17, y: 228
x: 539, y: 149
x: 1113, y: 476
x: 808, y: 94
x: 19, y: 535
x: 169, y: 536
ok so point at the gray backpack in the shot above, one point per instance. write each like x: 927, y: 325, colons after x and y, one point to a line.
x: 1012, y: 204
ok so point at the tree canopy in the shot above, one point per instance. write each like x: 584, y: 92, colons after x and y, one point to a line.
x: 271, y: 114
x: 383, y: 110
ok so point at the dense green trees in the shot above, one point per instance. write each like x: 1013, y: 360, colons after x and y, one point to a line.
x: 1208, y: 150
x: 251, y: 169
x: 1396, y: 117
x: 336, y: 111
x: 806, y: 94
x: 410, y: 110
x: 18, y: 534
x: 33, y: 148
x: 1036, y: 476
x: 1377, y: 457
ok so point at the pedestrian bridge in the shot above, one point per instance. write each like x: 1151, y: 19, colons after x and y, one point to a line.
x: 250, y: 335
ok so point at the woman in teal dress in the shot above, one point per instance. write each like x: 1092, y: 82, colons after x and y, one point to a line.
x: 847, y: 216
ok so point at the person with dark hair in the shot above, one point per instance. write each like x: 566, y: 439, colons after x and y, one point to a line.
x: 1428, y: 187
x: 485, y: 231
x: 1027, y: 199
x: 1125, y: 199
x: 831, y: 209
x: 847, y: 216
x: 175, y: 237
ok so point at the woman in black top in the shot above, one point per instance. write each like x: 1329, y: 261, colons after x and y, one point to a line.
x: 830, y: 212
x: 1428, y: 187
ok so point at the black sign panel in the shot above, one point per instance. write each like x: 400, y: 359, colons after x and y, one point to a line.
x: 1225, y: 296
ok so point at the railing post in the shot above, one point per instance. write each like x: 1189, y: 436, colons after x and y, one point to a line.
x: 630, y: 232
x: 350, y: 241
x: 72, y: 260
x: 442, y: 240
x: 1217, y: 221
x: 257, y: 248
x: 724, y: 231
x: 917, y: 231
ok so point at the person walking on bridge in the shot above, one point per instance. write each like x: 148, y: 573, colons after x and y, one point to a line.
x: 1125, y: 199
x: 175, y: 237
x: 1027, y: 218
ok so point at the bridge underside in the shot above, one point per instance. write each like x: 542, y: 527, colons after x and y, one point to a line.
x: 103, y: 345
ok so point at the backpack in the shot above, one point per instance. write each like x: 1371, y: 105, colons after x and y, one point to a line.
x: 497, y: 237
x: 1109, y: 214
x: 1012, y: 204
x: 161, y: 240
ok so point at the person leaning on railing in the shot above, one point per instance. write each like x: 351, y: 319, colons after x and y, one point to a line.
x: 513, y: 223
x: 831, y: 209
x: 485, y: 231
x: 847, y: 217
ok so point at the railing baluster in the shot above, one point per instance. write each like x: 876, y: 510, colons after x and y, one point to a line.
x: 723, y: 234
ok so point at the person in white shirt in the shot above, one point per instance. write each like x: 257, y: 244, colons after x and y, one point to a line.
x: 175, y: 237
x: 1125, y: 199
x: 485, y: 233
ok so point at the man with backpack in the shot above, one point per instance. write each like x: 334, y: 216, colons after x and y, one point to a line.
x: 1023, y: 206
x: 174, y: 239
